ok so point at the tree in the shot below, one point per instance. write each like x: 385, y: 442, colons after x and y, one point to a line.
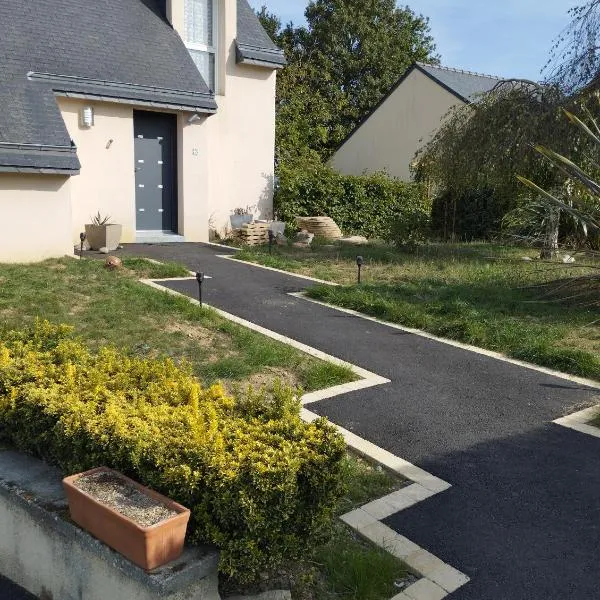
x: 575, y: 60
x: 360, y: 49
x: 304, y: 114
x: 483, y: 145
x: 339, y: 67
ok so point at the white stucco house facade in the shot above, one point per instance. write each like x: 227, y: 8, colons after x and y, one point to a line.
x: 159, y: 113
x: 408, y: 116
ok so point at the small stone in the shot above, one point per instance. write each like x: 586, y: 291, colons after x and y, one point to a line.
x: 527, y: 258
x: 567, y: 259
x: 104, y: 250
x: 113, y: 262
x: 119, y: 247
x: 305, y: 237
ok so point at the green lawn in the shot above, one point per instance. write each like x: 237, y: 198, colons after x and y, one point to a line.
x: 112, y: 307
x: 348, y: 567
x: 479, y: 294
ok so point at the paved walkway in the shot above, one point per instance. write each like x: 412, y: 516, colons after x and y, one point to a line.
x: 522, y: 519
x: 523, y: 516
x: 10, y: 591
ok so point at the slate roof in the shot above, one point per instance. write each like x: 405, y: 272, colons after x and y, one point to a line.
x: 464, y: 84
x: 253, y: 44
x: 112, y: 49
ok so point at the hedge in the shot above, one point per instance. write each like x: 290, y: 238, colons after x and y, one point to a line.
x: 259, y: 481
x: 366, y: 205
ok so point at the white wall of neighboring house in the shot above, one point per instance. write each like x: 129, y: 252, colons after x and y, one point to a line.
x: 36, y: 217
x: 389, y: 139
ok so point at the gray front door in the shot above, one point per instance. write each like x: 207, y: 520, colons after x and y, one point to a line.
x: 155, y: 171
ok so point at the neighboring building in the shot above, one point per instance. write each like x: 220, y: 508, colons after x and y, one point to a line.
x: 109, y: 106
x: 406, y: 119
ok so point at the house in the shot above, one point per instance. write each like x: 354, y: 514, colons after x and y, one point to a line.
x: 388, y: 138
x: 159, y: 113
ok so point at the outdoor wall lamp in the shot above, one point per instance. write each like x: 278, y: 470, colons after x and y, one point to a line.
x: 360, y: 261
x: 87, y: 116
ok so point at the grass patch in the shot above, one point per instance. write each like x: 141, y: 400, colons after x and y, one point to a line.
x: 348, y: 567
x: 351, y: 569
x: 112, y: 307
x: 478, y: 294
x: 146, y: 269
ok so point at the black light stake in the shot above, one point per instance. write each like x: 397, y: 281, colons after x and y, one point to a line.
x: 200, y: 280
x: 271, y: 240
x: 360, y: 261
x: 82, y: 237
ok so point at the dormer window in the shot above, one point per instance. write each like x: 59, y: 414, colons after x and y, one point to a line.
x: 200, y: 37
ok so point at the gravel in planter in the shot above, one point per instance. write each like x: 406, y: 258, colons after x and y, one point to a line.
x: 116, y: 493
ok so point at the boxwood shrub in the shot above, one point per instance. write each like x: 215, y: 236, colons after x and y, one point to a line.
x: 259, y: 481
x: 376, y: 206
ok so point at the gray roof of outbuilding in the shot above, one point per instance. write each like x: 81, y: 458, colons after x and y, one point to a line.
x: 253, y: 44
x: 113, y: 49
x: 464, y: 84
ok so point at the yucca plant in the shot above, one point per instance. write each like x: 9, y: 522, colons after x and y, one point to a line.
x: 580, y: 201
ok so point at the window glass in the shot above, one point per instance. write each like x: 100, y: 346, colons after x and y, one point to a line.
x: 205, y: 61
x: 199, y: 22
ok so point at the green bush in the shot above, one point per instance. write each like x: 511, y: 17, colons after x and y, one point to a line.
x: 366, y: 205
x: 261, y: 483
x: 473, y: 215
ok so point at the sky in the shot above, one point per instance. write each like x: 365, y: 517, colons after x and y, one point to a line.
x: 507, y: 38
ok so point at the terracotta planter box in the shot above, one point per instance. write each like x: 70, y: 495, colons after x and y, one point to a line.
x: 147, y: 547
x: 103, y: 236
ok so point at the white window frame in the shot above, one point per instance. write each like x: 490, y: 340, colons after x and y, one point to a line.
x: 210, y: 49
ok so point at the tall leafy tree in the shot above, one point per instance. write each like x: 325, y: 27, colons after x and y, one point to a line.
x: 304, y: 113
x: 339, y: 66
x: 361, y: 48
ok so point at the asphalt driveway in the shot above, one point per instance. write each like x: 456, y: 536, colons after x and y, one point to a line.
x: 522, y: 519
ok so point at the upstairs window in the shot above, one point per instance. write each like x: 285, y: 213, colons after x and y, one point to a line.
x: 200, y: 37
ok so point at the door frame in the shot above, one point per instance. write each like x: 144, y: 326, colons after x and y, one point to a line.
x: 173, y: 119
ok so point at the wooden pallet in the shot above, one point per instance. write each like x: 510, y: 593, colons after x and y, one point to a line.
x: 254, y: 234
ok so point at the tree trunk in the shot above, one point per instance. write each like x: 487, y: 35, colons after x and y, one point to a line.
x: 550, y: 245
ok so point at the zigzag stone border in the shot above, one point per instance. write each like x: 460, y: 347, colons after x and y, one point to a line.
x: 438, y: 579
x: 580, y: 421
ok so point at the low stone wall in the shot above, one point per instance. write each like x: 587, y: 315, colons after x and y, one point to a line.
x: 45, y: 553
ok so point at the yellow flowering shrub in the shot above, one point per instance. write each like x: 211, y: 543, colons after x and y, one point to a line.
x: 259, y: 481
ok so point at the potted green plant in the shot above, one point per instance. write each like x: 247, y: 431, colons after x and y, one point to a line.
x: 139, y: 523
x: 101, y: 233
x: 240, y: 217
